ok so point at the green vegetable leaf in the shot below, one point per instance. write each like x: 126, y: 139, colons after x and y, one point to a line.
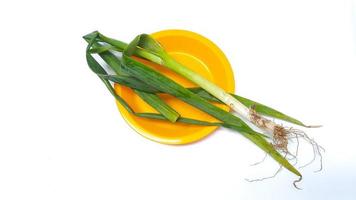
x: 147, y: 43
x: 103, y: 49
x: 157, y: 103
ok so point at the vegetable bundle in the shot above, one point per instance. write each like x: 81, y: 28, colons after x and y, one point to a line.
x: 147, y: 83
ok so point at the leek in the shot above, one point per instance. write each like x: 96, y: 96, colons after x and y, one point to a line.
x: 147, y: 83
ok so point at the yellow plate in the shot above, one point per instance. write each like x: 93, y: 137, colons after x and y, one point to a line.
x: 197, y: 53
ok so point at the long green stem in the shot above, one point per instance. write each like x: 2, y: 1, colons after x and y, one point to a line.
x: 158, y: 104
x: 207, y: 85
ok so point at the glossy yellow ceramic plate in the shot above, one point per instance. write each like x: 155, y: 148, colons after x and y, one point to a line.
x: 197, y: 53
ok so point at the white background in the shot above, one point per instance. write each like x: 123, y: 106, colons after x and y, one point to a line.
x: 61, y: 136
